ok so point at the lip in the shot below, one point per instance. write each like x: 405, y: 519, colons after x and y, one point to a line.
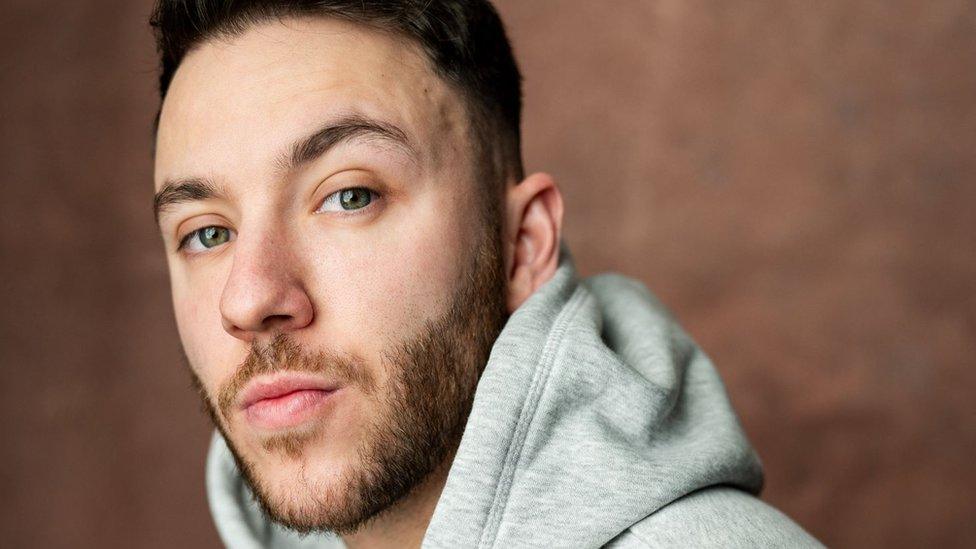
x: 285, y: 400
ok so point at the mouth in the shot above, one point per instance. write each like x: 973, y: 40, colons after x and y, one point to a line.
x: 287, y: 400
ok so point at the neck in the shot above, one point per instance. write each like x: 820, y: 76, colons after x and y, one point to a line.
x: 404, y: 524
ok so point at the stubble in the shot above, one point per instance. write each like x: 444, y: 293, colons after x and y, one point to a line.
x: 419, y: 415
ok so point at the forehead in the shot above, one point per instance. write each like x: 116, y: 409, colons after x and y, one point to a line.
x: 236, y: 102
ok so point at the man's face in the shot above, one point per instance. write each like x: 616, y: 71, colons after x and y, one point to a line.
x: 336, y: 285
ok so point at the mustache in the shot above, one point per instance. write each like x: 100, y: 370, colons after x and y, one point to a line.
x: 283, y: 354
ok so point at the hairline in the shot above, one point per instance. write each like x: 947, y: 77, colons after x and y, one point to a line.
x: 489, y: 158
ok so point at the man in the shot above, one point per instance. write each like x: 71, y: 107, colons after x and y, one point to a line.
x: 378, y: 312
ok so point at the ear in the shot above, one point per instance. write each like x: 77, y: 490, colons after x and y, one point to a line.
x: 533, y: 226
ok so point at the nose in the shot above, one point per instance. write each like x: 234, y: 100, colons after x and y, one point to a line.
x: 264, y: 293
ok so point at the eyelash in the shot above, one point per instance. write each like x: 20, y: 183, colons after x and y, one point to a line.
x: 374, y: 196
x: 186, y: 239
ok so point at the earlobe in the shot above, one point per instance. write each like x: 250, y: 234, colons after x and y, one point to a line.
x: 534, y: 226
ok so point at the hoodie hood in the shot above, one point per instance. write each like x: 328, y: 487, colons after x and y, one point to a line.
x: 595, y: 410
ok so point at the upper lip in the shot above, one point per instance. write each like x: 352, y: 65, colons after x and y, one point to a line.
x: 278, y: 385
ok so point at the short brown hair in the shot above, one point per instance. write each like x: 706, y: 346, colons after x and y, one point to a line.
x: 464, y: 40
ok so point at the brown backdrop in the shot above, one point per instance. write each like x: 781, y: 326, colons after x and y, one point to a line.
x: 794, y: 179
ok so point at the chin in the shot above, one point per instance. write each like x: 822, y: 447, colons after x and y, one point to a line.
x: 311, y: 488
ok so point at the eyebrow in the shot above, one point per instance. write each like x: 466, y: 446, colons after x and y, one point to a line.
x: 347, y: 128
x: 184, y: 190
x: 300, y: 153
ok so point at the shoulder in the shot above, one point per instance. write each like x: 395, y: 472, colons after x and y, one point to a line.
x: 715, y: 517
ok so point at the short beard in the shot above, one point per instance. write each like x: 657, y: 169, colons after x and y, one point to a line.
x: 421, y: 414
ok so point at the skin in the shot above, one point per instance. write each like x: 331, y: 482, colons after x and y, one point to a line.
x: 354, y: 283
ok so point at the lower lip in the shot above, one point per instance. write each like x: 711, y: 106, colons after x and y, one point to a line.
x: 288, y: 410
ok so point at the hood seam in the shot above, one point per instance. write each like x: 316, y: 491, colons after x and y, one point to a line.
x: 527, y: 414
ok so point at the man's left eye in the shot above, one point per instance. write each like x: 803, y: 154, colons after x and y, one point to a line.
x: 353, y: 198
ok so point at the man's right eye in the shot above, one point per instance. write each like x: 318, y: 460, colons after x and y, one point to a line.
x: 205, y: 238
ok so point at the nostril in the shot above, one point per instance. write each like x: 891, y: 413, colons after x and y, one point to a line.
x: 272, y: 321
x: 258, y: 300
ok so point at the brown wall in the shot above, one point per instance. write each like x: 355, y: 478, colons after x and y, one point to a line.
x: 794, y: 179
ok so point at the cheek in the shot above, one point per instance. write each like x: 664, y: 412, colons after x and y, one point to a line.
x: 385, y: 280
x: 206, y: 344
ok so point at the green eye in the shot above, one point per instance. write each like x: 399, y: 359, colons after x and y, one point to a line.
x: 214, y: 236
x: 205, y: 238
x: 355, y: 198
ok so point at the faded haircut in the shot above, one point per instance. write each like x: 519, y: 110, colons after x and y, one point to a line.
x: 464, y: 41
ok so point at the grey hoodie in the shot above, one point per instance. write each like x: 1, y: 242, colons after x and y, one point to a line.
x: 597, y: 422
